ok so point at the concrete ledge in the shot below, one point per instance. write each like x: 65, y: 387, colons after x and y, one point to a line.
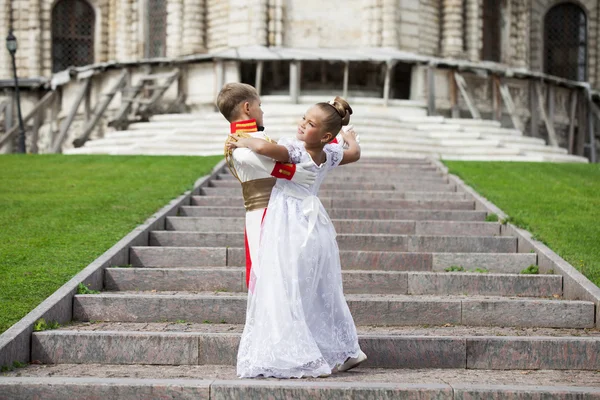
x: 59, y: 388
x: 15, y: 343
x: 575, y: 285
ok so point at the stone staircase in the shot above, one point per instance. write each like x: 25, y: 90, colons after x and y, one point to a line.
x: 168, y: 324
x: 385, y: 132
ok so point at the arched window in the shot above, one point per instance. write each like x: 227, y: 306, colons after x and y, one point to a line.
x: 492, y: 30
x: 73, y: 23
x: 565, y: 42
x: 156, y: 45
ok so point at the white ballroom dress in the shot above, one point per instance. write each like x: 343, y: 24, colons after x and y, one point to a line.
x: 297, y: 321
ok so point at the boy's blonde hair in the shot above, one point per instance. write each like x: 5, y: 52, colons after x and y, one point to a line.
x: 232, y: 95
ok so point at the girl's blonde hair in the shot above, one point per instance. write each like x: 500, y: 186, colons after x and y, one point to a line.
x: 337, y: 113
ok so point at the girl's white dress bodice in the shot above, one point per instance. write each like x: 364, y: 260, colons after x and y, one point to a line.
x: 297, y: 321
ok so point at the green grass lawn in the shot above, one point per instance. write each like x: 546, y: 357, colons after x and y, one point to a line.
x: 59, y: 213
x: 558, y: 203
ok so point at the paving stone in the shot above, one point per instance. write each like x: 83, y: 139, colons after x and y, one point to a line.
x: 534, y: 353
x: 355, y: 194
x: 52, y: 347
x: 103, y: 388
x: 366, y: 309
x: 539, y: 313
x: 180, y: 257
x: 510, y: 263
x: 355, y: 242
x: 337, y: 213
x: 484, y: 284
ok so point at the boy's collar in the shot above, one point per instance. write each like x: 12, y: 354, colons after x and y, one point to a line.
x: 246, y: 126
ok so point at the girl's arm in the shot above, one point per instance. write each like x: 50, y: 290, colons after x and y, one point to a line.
x: 352, y: 153
x: 262, y: 147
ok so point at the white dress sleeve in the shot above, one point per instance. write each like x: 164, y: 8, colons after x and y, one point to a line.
x: 295, y: 149
x: 335, y: 153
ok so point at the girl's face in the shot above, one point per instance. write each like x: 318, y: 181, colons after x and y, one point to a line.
x: 310, y: 129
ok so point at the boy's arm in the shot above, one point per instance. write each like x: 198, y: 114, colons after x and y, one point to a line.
x: 262, y: 147
x: 352, y: 153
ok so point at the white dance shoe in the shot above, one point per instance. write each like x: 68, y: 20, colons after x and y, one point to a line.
x: 352, y: 362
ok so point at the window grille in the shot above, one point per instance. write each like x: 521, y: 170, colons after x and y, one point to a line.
x: 492, y: 14
x: 565, y: 42
x: 73, y: 23
x: 156, y: 45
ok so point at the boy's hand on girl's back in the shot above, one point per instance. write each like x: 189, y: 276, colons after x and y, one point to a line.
x: 303, y: 175
x: 347, y: 134
x: 236, y: 142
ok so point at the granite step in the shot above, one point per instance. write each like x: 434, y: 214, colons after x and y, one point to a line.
x: 185, y: 257
x: 366, y: 242
x: 443, y: 228
x: 187, y: 343
x: 369, y: 184
x: 344, y: 213
x: 233, y: 279
x: 328, y: 203
x: 366, y: 309
x: 355, y: 194
x: 218, y: 382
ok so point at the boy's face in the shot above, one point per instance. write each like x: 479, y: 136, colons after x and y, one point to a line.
x: 255, y: 112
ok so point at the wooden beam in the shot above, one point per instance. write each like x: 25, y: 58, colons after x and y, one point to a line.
x: 592, y: 131
x: 534, y: 122
x: 496, y: 98
x: 582, y: 124
x: 387, y: 83
x: 62, y: 135
x: 38, y: 120
x: 99, y: 110
x: 431, y: 91
x: 259, y: 76
x: 346, y: 78
x: 465, y: 92
x: 454, y: 107
x: 510, y: 106
x: 295, y: 81
x: 15, y: 128
x: 542, y: 110
x: 572, y: 116
x: 8, y: 122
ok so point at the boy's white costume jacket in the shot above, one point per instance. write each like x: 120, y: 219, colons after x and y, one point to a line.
x: 257, y: 174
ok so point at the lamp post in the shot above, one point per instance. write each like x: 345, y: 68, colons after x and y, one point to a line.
x: 11, y: 45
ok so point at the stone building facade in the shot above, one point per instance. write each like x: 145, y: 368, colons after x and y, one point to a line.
x: 512, y: 32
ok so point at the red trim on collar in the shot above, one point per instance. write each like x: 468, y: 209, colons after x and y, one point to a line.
x: 244, y: 126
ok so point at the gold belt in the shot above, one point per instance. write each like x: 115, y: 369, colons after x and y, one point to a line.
x: 257, y: 193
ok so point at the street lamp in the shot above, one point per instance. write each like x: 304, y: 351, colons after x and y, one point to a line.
x: 11, y: 45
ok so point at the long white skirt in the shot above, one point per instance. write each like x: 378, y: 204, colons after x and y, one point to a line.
x: 297, y: 322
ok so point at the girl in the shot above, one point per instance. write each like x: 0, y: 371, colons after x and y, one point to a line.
x: 297, y: 321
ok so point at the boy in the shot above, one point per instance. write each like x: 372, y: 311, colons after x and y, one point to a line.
x: 240, y: 105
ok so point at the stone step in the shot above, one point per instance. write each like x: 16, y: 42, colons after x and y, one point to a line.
x: 233, y: 279
x: 386, y: 175
x: 365, y: 242
x: 349, y: 183
x: 366, y: 309
x: 444, y: 228
x: 341, y: 213
x: 201, y: 382
x: 329, y: 203
x: 367, y: 194
x: 176, y: 257
x: 393, y: 347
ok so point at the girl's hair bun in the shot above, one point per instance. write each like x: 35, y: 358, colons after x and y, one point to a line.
x: 343, y: 109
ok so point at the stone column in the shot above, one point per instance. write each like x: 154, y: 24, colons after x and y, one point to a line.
x: 193, y: 27
x: 5, y: 67
x: 122, y: 31
x: 258, y: 13
x: 389, y: 20
x: 474, y: 27
x: 452, y: 28
x: 35, y: 39
x: 174, y: 31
